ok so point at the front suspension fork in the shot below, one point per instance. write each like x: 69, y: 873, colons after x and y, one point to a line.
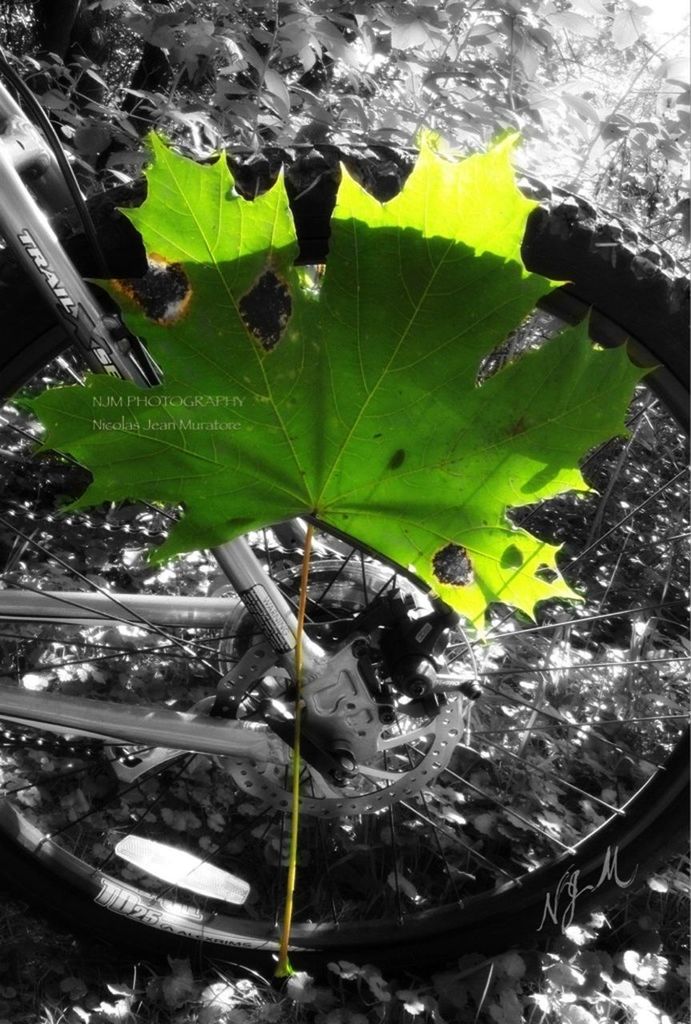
x: 104, y: 343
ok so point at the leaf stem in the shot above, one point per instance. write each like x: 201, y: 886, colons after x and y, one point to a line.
x: 284, y: 968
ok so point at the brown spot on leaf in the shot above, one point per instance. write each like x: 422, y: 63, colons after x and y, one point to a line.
x: 452, y: 565
x: 266, y: 308
x: 163, y: 294
x: 519, y: 426
x: 397, y: 459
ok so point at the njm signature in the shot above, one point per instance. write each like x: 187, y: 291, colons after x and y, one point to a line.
x: 560, y: 905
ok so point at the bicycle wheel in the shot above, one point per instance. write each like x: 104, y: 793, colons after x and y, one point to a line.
x: 475, y: 810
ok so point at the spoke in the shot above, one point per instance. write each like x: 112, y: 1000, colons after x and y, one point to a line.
x: 625, y: 519
x: 44, y: 778
x: 65, y: 456
x: 435, y: 833
x: 584, y: 728
x: 599, y: 452
x: 72, y: 642
x: 333, y: 621
x: 379, y: 773
x: 49, y: 836
x: 292, y: 601
x: 590, y: 547
x: 151, y: 806
x: 62, y: 362
x: 100, y: 658
x: 311, y: 619
x: 394, y: 857
x: 143, y: 624
x: 537, y: 508
x: 672, y: 539
x: 628, y: 612
x: 119, y: 651
x: 219, y: 848
x: 364, y: 581
x: 610, y: 582
x: 318, y: 600
x: 51, y: 776
x: 508, y: 810
x: 577, y: 667
x: 440, y: 850
x: 395, y: 749
x: 28, y: 436
x: 587, y: 726
x: 325, y: 857
x: 551, y: 712
x: 406, y: 737
x: 559, y: 720
x: 29, y: 639
x: 546, y: 710
x: 446, y: 831
x: 281, y: 835
x: 391, y: 582
x: 553, y: 775
x: 267, y: 554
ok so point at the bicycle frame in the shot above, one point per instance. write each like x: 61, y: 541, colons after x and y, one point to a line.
x: 106, y: 348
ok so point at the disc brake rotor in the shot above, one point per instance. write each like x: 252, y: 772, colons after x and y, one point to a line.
x: 411, y: 753
x: 409, y: 760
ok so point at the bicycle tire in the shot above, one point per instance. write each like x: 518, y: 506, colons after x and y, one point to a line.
x: 633, y: 289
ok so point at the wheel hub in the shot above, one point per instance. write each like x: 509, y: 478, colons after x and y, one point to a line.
x: 391, y: 746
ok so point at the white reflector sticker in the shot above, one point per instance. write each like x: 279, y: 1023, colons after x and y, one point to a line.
x: 182, y: 869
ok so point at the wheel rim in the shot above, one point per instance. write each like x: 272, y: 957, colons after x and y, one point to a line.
x: 537, y: 739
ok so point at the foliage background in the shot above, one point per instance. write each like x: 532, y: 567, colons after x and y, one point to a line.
x: 599, y: 90
x: 602, y: 102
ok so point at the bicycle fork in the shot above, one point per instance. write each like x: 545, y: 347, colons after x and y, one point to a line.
x: 105, y: 344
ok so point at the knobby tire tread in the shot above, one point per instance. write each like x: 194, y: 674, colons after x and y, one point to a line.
x: 633, y: 288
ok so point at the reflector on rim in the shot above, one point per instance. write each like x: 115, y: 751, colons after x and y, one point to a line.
x: 182, y: 869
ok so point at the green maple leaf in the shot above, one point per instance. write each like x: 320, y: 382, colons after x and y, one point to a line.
x: 356, y: 403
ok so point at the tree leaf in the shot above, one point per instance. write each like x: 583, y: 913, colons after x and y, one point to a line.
x: 300, y: 987
x: 586, y: 110
x: 274, y: 84
x: 178, y: 986
x: 648, y: 969
x: 511, y: 964
x: 674, y: 69
x: 575, y: 1014
x: 528, y: 56
x: 569, y: 21
x: 76, y: 988
x: 356, y: 402
x: 593, y: 7
x: 485, y: 823
x: 508, y: 1009
x: 627, y: 26
x: 401, y: 884
x: 408, y: 32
